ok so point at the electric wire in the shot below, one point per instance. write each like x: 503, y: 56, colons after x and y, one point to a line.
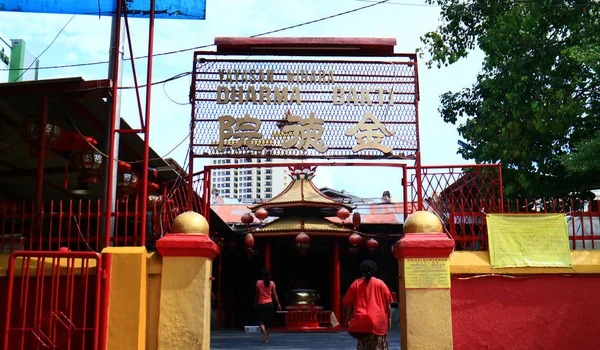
x: 210, y: 45
x: 44, y: 51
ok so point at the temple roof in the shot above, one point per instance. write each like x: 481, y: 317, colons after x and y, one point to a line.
x: 311, y: 224
x: 301, y: 192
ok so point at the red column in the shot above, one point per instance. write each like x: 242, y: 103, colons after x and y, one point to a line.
x: 335, y: 288
x: 268, y: 254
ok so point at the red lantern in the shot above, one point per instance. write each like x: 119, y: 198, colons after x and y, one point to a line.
x: 302, y: 240
x: 247, y: 219
x: 126, y: 182
x: 249, y: 241
x: 261, y: 214
x: 356, y: 219
x: 343, y: 214
x: 354, y: 239
x: 30, y: 132
x: 154, y: 201
x: 371, y: 244
x: 87, y: 162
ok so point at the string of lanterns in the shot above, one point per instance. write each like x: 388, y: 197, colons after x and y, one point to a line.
x: 302, y: 240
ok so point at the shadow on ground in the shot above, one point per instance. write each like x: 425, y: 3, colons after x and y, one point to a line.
x: 221, y: 340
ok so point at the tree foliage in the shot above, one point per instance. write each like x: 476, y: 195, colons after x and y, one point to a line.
x: 537, y: 97
x: 585, y: 157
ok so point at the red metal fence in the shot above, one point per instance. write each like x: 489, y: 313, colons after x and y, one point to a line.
x: 459, y: 195
x: 77, y: 224
x: 53, y: 300
x: 467, y: 225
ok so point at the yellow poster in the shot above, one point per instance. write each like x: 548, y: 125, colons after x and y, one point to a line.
x: 528, y: 240
x: 427, y: 273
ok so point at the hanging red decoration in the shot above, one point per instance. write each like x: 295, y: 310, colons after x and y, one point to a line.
x: 302, y: 240
x: 123, y: 167
x: 30, y: 132
x: 371, y: 244
x: 73, y: 141
x: 355, y: 239
x: 343, y: 214
x: 356, y: 219
x: 249, y: 241
x: 247, y: 219
x: 88, y: 163
x: 152, y: 187
x: 261, y: 214
x: 154, y: 202
x: 126, y: 182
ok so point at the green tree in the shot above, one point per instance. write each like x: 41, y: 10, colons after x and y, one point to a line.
x: 585, y: 158
x: 538, y: 95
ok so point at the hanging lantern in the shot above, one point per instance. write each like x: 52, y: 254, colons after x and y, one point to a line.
x: 30, y: 132
x: 88, y: 163
x: 355, y: 239
x: 154, y: 201
x: 126, y: 182
x: 302, y: 241
x: 247, y: 219
x: 343, y: 214
x: 249, y: 241
x: 261, y: 214
x: 371, y: 244
x: 356, y: 219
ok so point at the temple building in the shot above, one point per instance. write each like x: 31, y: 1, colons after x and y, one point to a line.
x: 303, y: 237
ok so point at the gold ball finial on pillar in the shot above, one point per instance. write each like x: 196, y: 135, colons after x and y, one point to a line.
x: 190, y: 222
x: 423, y: 222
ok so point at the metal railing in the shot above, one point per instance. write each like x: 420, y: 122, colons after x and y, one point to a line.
x: 53, y: 300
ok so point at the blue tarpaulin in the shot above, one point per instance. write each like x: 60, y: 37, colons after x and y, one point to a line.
x: 176, y: 9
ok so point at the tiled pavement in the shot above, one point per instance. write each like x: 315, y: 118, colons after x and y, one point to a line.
x: 221, y: 340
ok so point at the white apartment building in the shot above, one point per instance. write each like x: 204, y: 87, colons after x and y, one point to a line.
x: 249, y: 184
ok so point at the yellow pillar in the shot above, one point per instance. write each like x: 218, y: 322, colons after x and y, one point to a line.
x: 185, y: 297
x: 424, y: 294
x: 127, y: 298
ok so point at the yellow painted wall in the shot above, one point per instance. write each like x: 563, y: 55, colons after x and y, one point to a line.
x: 463, y: 262
x: 153, y: 308
x: 185, y: 303
x: 33, y: 263
x: 128, y: 293
x: 425, y: 317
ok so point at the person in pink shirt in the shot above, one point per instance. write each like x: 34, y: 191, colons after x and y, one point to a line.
x: 368, y: 309
x: 265, y: 294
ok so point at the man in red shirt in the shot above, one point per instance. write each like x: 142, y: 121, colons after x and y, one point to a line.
x: 368, y: 309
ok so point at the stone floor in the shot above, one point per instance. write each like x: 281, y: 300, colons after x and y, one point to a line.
x: 221, y: 340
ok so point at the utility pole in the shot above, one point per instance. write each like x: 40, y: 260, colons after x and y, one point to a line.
x: 110, y: 173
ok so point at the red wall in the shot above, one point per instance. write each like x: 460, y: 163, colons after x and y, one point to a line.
x: 535, y: 312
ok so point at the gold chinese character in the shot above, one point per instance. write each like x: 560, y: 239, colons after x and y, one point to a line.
x: 369, y: 133
x: 306, y: 132
x: 244, y: 130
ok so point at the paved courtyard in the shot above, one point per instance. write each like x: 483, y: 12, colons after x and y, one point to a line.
x: 221, y: 340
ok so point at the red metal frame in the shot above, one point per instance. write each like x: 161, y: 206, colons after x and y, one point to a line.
x: 145, y: 124
x: 54, y: 306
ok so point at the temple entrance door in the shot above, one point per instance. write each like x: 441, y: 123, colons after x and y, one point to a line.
x: 239, y: 276
x: 312, y: 269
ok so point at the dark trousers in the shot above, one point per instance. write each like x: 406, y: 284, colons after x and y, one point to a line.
x: 265, y: 314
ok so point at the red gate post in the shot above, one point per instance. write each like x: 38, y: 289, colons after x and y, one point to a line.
x: 424, y: 294
x: 185, y: 299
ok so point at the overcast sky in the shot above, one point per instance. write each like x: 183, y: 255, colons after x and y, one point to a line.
x: 86, y: 39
